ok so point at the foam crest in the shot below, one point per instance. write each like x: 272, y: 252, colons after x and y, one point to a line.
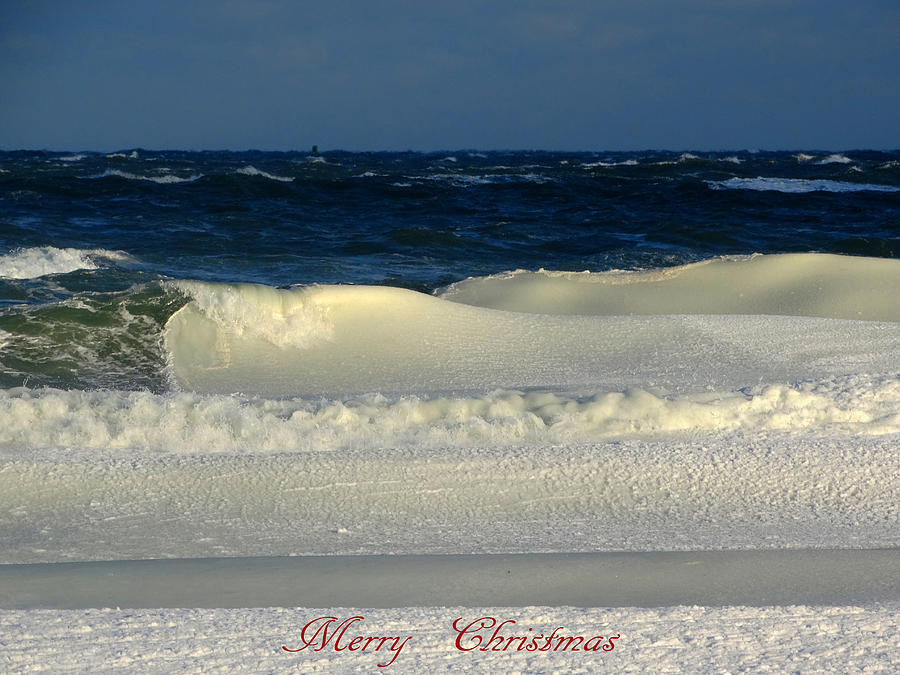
x: 253, y: 171
x: 468, y: 180
x: 806, y: 284
x: 279, y: 317
x: 29, y: 263
x: 798, y: 185
x: 592, y: 165
x: 190, y: 423
x: 835, y: 159
x: 163, y: 180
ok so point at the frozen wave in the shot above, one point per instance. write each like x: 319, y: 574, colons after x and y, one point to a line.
x: 338, y: 340
x: 803, y: 284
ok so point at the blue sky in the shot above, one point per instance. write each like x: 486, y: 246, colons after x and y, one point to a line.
x: 428, y: 75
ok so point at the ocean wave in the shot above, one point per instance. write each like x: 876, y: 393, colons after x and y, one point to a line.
x: 496, y: 333
x: 253, y: 171
x: 166, y: 179
x: 29, y: 263
x: 835, y: 159
x: 279, y: 317
x: 71, y: 158
x: 797, y: 185
x: 190, y: 423
x: 468, y: 180
x: 682, y: 158
x: 803, y: 284
x: 121, y: 155
x: 592, y: 165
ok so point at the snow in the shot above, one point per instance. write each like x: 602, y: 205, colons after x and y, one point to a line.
x: 653, y: 640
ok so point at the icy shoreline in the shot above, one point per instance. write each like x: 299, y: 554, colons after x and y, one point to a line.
x: 650, y: 579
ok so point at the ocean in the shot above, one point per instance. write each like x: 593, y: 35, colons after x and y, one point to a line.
x: 258, y: 355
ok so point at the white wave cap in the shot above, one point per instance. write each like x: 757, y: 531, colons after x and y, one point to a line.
x: 627, y: 162
x: 30, y: 263
x: 250, y: 170
x: 166, y: 179
x: 797, y: 185
x: 835, y: 159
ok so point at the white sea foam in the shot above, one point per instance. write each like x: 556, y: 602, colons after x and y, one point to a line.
x: 835, y: 159
x: 732, y: 160
x: 797, y: 185
x: 71, y: 158
x: 165, y: 179
x: 28, y: 263
x: 187, y: 423
x: 278, y: 317
x: 253, y: 171
x: 803, y: 157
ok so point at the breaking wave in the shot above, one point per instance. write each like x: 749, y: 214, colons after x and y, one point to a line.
x: 29, y: 263
x: 163, y: 180
x: 253, y: 171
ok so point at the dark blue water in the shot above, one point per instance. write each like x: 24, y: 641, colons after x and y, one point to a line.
x: 413, y: 220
